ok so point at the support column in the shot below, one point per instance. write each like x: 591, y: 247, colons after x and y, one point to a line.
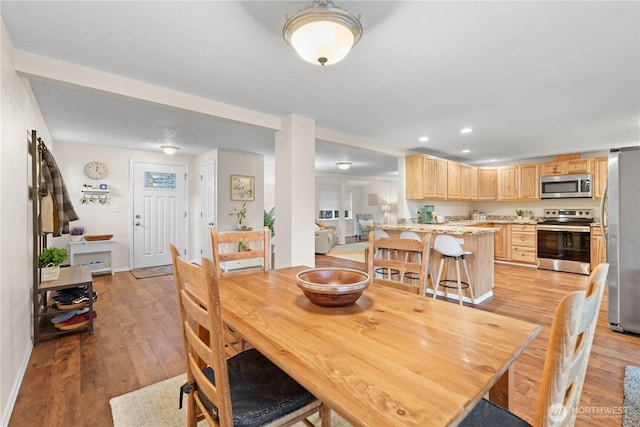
x: 295, y: 192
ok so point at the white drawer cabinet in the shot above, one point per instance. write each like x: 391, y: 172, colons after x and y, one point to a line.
x: 96, y: 255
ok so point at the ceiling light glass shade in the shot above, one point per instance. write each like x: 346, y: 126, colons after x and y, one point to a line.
x: 170, y: 149
x: 343, y: 165
x: 322, y: 34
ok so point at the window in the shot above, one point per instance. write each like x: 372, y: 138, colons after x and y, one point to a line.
x: 329, y: 203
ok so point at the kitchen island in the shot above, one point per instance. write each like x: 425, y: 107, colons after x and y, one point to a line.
x: 478, y: 240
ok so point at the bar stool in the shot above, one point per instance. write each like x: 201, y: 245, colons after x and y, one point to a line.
x: 417, y: 259
x: 381, y: 234
x: 449, y: 248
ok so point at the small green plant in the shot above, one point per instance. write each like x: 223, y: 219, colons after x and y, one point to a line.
x: 270, y: 219
x: 241, y: 213
x: 55, y: 256
x: 519, y: 212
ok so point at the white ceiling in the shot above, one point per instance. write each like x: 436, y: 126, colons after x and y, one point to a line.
x: 532, y: 79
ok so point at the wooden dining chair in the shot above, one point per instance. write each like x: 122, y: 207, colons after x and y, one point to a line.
x: 396, y: 259
x: 565, y: 365
x: 245, y: 390
x: 241, y: 246
x: 253, y: 247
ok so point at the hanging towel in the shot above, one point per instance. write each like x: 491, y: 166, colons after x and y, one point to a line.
x: 58, y: 190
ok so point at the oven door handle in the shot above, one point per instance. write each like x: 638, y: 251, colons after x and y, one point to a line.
x: 582, y: 228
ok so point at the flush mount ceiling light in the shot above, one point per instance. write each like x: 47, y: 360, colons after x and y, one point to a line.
x: 322, y: 34
x: 423, y: 139
x: 466, y: 130
x: 343, y: 165
x: 170, y: 149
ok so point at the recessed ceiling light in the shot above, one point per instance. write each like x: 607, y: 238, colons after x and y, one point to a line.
x: 466, y: 130
x: 423, y: 139
x: 466, y: 151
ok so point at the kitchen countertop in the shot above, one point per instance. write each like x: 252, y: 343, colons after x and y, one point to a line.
x: 453, y: 228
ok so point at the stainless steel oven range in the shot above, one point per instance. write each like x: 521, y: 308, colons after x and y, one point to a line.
x: 564, y: 240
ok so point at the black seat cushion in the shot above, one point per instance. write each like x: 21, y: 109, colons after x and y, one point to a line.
x: 488, y: 414
x: 260, y: 391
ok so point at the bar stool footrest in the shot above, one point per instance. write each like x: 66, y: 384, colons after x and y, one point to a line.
x: 443, y: 283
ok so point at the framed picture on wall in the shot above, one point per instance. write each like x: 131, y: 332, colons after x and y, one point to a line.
x: 243, y: 188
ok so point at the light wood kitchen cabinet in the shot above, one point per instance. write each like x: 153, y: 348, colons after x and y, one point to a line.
x: 441, y: 179
x: 426, y: 177
x: 508, y: 183
x: 598, y: 250
x: 529, y: 188
x: 468, y: 182
x: 415, y: 177
x: 453, y: 180
x: 487, y: 183
x: 579, y: 166
x: 501, y: 240
x: 553, y: 168
x: 524, y: 243
x: 600, y: 166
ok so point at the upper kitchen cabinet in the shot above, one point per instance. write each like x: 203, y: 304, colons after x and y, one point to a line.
x: 579, y: 166
x: 529, y: 182
x: 600, y: 166
x: 508, y: 183
x: 468, y: 182
x: 453, y: 180
x: 553, y: 168
x: 426, y: 177
x: 487, y: 183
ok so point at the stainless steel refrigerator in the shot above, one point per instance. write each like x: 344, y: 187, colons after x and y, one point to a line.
x: 621, y: 216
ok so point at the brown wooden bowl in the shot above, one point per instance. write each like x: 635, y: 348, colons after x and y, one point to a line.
x: 332, y: 287
x: 97, y: 237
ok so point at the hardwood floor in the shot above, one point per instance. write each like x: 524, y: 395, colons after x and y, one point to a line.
x: 137, y: 342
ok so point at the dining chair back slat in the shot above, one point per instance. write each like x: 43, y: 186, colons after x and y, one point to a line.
x: 389, y: 254
x: 237, y: 246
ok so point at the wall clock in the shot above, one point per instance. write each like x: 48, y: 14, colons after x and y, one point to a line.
x: 96, y: 170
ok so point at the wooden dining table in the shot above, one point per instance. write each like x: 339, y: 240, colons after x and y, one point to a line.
x: 390, y: 359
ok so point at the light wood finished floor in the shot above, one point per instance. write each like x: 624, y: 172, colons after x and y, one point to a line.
x: 137, y: 342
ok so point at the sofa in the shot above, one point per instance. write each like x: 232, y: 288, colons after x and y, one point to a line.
x: 362, y: 225
x: 326, y: 238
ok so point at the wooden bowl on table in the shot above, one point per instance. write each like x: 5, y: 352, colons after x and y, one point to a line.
x: 332, y: 287
x: 98, y: 237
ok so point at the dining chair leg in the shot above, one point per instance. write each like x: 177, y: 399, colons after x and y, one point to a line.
x: 325, y: 416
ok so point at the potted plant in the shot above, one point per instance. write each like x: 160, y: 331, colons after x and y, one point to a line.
x: 270, y: 219
x: 240, y: 215
x: 519, y: 213
x: 76, y: 233
x: 49, y: 262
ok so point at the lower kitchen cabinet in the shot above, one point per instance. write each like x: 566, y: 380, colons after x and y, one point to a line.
x: 524, y: 243
x: 598, y: 250
x: 501, y: 241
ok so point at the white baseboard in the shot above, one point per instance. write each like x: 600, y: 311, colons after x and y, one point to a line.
x: 11, y: 401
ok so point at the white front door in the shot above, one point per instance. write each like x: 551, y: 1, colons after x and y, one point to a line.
x: 207, y: 207
x: 159, y: 212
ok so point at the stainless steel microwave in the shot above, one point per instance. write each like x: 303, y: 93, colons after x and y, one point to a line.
x: 566, y: 186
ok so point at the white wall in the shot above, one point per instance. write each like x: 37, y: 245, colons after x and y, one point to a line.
x: 101, y: 219
x: 19, y: 114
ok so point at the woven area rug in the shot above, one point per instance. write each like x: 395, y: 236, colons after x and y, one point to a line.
x: 351, y: 251
x: 160, y: 270
x: 157, y: 406
x: 631, y: 405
